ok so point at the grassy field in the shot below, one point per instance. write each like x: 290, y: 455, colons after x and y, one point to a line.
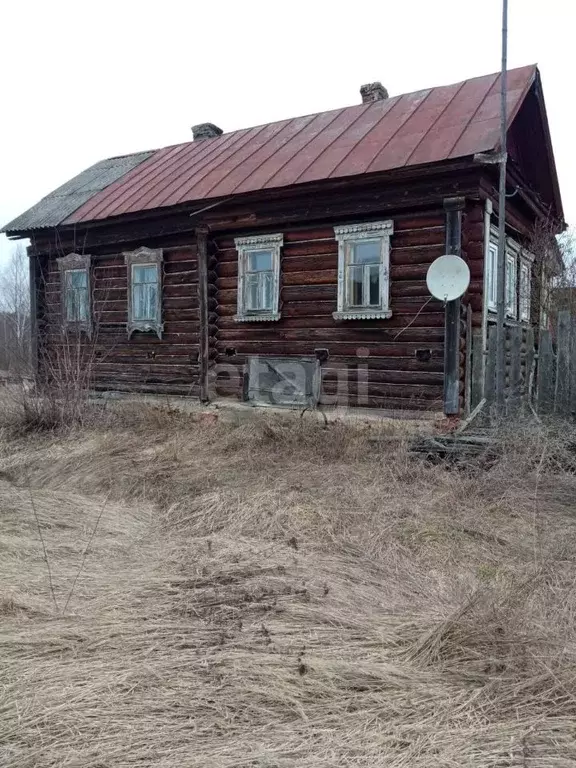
x: 275, y: 594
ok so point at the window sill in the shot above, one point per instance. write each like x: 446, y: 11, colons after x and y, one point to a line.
x: 378, y: 314
x: 268, y: 317
x: 145, y: 327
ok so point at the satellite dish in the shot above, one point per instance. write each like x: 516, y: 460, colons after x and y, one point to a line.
x: 448, y: 277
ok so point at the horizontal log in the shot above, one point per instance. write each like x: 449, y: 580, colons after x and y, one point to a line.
x: 419, y: 255
x: 367, y: 349
x: 411, y: 237
x: 475, y: 251
x: 396, y: 404
x: 181, y: 278
x: 151, y: 366
x: 183, y: 390
x: 379, y: 389
x: 324, y: 336
x: 180, y: 290
x: 346, y: 374
x: 176, y: 267
x: 474, y: 230
x: 334, y: 361
x: 180, y: 254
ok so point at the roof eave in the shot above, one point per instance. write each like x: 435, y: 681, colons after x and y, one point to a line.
x: 549, y: 149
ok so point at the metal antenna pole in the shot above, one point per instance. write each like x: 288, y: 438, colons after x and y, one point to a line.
x: 501, y: 273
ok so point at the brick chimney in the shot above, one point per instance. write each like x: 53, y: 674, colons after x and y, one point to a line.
x: 205, y: 131
x: 373, y: 92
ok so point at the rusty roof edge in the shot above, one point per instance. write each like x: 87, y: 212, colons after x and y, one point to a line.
x: 193, y: 207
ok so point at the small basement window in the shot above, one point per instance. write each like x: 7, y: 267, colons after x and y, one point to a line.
x: 75, y: 282
x: 144, y: 290
x: 283, y: 381
x: 258, y: 277
x: 363, y: 270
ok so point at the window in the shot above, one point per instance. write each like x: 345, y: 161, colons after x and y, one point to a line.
x: 525, y: 286
x: 363, y: 270
x: 75, y: 282
x: 144, y: 290
x: 492, y: 276
x: 258, y: 277
x: 511, y: 276
x: 76, y: 295
x: 511, y: 285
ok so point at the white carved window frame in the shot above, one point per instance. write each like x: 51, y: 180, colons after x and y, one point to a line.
x: 525, y: 286
x: 145, y: 257
x: 75, y: 262
x: 353, y: 233
x: 515, y: 257
x: 245, y: 246
x: 511, y: 279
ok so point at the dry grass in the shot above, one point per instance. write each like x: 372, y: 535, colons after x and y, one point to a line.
x: 273, y: 594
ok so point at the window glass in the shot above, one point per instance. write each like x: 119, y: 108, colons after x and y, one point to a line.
x: 259, y: 261
x: 144, y: 292
x: 77, y: 295
x: 363, y: 273
x: 146, y: 273
x: 259, y: 281
x: 366, y: 252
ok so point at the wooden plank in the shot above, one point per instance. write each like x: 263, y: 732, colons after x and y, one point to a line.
x: 453, y: 208
x: 515, y: 368
x: 34, y: 279
x: 529, y: 369
x: 562, y: 390
x: 490, y: 370
x: 545, y: 393
x: 477, y: 382
x: 468, y: 367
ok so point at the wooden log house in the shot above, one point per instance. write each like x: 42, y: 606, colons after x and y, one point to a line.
x: 286, y: 263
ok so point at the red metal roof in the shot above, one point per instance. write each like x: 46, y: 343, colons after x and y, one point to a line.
x: 418, y: 128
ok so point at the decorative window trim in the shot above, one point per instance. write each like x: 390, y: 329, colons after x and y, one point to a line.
x: 514, y: 254
x: 244, y: 246
x: 69, y: 263
x: 145, y: 256
x: 492, y: 276
x: 346, y: 234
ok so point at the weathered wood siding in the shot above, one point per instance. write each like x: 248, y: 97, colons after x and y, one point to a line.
x: 394, y: 363
x: 143, y: 362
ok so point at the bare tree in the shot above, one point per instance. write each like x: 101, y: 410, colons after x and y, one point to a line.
x: 15, y: 312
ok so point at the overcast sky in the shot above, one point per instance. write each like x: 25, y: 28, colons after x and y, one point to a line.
x: 86, y: 80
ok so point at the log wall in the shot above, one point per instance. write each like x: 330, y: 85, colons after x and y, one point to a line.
x: 142, y: 362
x: 394, y: 363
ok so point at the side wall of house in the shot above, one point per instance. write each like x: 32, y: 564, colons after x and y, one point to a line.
x: 141, y: 362
x: 393, y: 363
